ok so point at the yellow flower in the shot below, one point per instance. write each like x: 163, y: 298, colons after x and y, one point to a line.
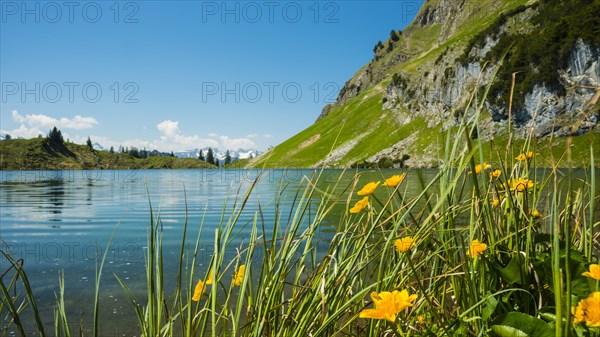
x: 239, y: 276
x: 209, y: 279
x: 495, y: 174
x: 594, y: 272
x: 394, y: 181
x: 476, y: 248
x: 525, y: 156
x: 481, y: 167
x: 388, y: 305
x: 199, y: 290
x: 588, y: 310
x: 578, y: 313
x: 495, y: 202
x: 368, y: 188
x: 404, y: 244
x: 360, y: 205
x: 536, y: 214
x: 520, y: 185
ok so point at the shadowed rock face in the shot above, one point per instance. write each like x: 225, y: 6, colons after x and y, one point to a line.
x: 549, y: 111
x: 441, y: 90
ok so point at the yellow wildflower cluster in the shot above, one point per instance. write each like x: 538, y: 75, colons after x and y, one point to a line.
x: 388, y: 305
x: 370, y: 188
x: 476, y: 248
x: 520, y: 184
x: 395, y: 180
x: 199, y: 290
x: 201, y: 285
x: 360, y: 205
x: 526, y: 155
x: 405, y: 244
x: 594, y: 272
x: 588, y: 310
x: 239, y: 276
x: 481, y: 167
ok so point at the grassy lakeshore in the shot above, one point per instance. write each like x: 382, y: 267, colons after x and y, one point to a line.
x: 477, y: 252
x: 36, y: 154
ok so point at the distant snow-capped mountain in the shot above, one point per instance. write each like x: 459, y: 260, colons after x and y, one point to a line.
x: 220, y: 155
x: 235, y: 154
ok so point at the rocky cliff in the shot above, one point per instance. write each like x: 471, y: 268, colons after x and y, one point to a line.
x: 442, y: 90
x: 518, y: 65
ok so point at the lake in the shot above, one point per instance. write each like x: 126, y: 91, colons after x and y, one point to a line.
x: 63, y: 220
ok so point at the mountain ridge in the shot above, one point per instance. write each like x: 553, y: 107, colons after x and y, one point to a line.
x: 220, y: 155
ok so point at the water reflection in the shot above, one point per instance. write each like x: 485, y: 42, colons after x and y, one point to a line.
x: 55, y: 193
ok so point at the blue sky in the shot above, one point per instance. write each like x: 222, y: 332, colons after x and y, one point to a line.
x: 177, y: 75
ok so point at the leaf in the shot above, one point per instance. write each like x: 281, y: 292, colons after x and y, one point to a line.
x: 548, y: 316
x: 490, y: 307
x: 506, y: 331
x: 516, y: 324
x: 512, y: 273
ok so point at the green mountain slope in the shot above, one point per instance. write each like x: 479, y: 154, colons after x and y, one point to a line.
x: 36, y: 154
x: 411, y: 95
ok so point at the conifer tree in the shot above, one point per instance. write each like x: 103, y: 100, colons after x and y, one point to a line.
x: 210, y: 158
x: 201, y: 156
x: 227, y: 158
x: 55, y: 137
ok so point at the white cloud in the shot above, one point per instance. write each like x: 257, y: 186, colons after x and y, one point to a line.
x: 256, y: 135
x: 236, y: 143
x: 47, y: 122
x: 169, y: 128
x: 24, y: 132
x: 36, y: 124
x: 171, y: 136
x: 172, y: 139
x: 77, y: 123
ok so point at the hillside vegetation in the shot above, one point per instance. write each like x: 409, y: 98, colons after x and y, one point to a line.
x: 38, y: 154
